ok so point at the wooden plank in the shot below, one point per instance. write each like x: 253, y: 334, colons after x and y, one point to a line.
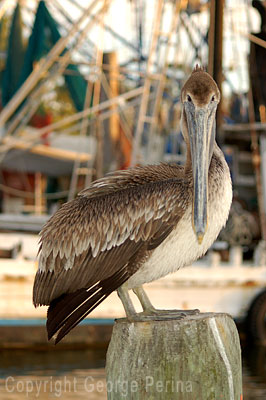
x: 47, y: 151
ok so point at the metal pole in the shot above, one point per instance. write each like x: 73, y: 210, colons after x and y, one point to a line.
x: 215, y: 61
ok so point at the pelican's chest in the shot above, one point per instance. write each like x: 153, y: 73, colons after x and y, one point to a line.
x: 181, y: 248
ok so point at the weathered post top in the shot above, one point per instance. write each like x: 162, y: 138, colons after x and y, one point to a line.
x: 197, y: 357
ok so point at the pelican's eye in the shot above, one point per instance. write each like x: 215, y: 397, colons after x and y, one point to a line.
x: 213, y: 98
x: 189, y: 98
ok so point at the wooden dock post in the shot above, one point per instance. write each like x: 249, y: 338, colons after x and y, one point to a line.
x: 197, y: 357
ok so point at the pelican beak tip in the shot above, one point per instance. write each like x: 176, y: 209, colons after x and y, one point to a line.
x: 200, y: 237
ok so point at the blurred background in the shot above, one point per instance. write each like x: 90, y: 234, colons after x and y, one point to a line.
x: 88, y: 87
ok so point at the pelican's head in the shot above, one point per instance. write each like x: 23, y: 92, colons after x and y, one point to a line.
x: 200, y: 97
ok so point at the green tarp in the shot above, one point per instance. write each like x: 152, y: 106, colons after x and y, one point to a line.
x: 44, y: 35
x: 15, y: 58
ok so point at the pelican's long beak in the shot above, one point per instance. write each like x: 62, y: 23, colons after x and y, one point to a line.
x: 201, y: 129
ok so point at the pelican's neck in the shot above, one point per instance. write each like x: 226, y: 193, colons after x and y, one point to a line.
x: 218, y: 152
x: 188, y: 163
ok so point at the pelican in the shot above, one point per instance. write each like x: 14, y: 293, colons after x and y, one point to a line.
x: 135, y: 226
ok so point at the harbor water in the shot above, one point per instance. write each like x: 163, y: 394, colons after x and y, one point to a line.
x: 79, y: 374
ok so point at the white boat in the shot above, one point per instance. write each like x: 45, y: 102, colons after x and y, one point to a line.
x: 234, y: 287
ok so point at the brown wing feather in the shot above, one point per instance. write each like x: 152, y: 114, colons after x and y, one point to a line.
x: 92, y: 237
x: 68, y: 310
x: 86, y: 271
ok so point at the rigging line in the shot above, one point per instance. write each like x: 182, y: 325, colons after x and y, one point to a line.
x: 105, y: 104
x: 110, y: 30
x: 192, y: 42
x: 195, y: 26
x: 62, y: 11
x: 66, y: 58
x: 236, y: 50
x: 102, y: 116
x: 44, y: 65
x: 32, y: 141
x: 123, y: 118
x: 85, y: 52
x: 31, y: 195
x: 35, y: 141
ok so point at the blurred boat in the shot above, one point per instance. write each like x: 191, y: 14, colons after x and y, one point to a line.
x: 234, y: 287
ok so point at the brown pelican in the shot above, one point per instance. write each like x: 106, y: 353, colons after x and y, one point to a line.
x: 134, y: 226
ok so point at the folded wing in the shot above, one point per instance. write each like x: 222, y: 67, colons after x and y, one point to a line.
x: 93, y: 244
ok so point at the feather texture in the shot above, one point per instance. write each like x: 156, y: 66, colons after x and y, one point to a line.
x: 92, y: 237
x: 67, y: 311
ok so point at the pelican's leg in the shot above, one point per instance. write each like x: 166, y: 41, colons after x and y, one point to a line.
x: 149, y: 312
x: 131, y: 313
x: 126, y: 301
x: 149, y: 309
x: 144, y: 299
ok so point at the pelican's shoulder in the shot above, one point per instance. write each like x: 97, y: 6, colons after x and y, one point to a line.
x: 137, y: 177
